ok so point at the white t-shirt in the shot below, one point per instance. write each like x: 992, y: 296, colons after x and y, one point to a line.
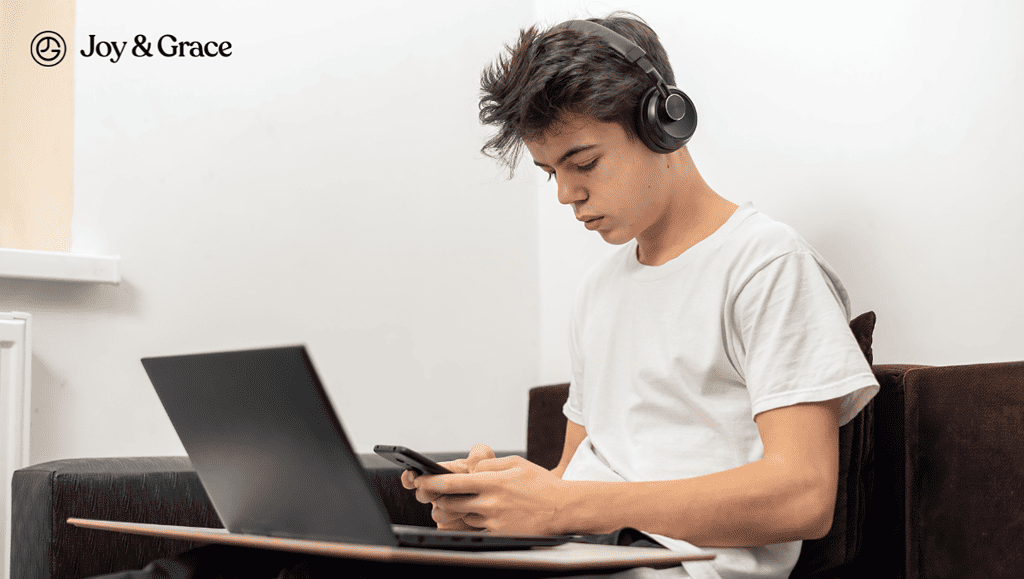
x: 671, y: 363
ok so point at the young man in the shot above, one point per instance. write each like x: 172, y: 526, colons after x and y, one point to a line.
x: 712, y: 358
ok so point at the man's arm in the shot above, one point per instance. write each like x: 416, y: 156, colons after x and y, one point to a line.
x: 574, y: 435
x: 788, y: 495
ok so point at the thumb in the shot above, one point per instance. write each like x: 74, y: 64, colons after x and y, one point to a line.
x: 479, y: 453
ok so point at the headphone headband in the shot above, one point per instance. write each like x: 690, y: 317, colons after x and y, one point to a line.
x: 665, y: 117
x: 630, y: 51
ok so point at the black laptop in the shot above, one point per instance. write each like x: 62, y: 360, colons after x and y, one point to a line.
x: 274, y: 459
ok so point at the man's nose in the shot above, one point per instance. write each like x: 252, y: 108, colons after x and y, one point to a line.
x: 570, y: 191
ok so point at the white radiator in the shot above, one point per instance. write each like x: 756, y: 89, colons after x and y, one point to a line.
x: 15, y: 411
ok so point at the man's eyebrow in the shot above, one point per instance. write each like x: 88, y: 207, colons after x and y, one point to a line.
x: 568, y: 154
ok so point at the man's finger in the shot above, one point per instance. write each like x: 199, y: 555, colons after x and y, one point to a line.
x: 498, y: 464
x: 449, y: 484
x: 425, y: 497
x: 409, y: 479
x: 443, y: 517
x: 479, y: 453
x: 459, y: 466
x: 460, y: 505
x: 451, y: 524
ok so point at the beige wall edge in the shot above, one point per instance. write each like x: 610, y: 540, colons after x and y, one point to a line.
x: 37, y: 112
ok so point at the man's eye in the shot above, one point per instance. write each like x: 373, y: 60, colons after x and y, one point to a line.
x: 550, y: 175
x: 588, y: 166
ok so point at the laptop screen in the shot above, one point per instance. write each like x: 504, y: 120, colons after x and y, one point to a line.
x: 268, y: 446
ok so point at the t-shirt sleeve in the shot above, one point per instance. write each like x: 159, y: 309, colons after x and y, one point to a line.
x: 793, y: 341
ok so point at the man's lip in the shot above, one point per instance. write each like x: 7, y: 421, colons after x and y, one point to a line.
x: 592, y: 223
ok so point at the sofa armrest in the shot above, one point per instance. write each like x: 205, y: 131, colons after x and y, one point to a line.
x: 161, y: 490
x: 139, y: 489
x: 965, y: 470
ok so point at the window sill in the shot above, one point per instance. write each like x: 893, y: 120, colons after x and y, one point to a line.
x: 59, y: 266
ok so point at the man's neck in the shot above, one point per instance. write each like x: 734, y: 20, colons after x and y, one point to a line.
x: 694, y: 212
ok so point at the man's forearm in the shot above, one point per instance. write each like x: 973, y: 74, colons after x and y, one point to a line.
x: 559, y: 470
x: 756, y: 504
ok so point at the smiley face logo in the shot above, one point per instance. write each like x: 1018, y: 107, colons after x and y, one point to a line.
x: 48, y: 48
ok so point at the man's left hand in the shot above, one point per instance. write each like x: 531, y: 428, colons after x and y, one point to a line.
x: 502, y: 495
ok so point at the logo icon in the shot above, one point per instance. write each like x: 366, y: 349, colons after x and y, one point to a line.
x: 48, y: 48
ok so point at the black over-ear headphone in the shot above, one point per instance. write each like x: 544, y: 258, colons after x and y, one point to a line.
x: 665, y: 117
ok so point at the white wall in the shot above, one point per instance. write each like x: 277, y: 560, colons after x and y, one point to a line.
x: 321, y: 185
x: 324, y: 185
x: 886, y: 132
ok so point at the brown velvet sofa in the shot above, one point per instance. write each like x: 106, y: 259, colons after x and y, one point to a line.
x: 931, y: 485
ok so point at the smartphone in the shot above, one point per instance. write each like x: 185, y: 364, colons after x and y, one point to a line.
x: 410, y: 459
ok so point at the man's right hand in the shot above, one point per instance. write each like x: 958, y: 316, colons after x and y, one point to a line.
x: 448, y: 520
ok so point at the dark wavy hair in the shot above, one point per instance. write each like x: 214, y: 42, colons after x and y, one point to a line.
x: 550, y: 73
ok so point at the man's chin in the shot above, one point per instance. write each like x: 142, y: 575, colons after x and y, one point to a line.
x: 613, y: 238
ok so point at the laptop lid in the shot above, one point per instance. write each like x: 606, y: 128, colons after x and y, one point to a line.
x: 268, y: 446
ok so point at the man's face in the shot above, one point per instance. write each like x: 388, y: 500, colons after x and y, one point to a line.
x: 613, y: 184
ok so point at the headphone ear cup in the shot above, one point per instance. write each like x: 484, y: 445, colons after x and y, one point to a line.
x: 657, y: 130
